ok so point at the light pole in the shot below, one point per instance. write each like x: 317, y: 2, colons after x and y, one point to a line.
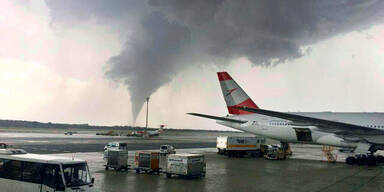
x: 146, y: 119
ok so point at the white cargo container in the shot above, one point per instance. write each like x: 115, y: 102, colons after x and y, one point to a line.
x: 239, y: 146
x: 188, y: 165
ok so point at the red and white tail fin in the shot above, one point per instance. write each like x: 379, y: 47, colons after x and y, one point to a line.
x: 234, y: 95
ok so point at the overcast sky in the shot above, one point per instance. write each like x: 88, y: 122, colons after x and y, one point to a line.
x: 81, y: 62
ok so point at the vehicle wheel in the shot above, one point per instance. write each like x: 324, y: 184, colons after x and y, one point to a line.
x: 137, y: 170
x: 371, y: 160
x: 361, y: 160
x: 106, y: 168
x: 350, y: 160
x: 380, y: 159
x: 169, y: 175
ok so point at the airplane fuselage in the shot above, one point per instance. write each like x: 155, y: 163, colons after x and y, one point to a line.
x: 286, y: 131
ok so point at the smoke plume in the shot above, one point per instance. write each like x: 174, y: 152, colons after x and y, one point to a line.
x: 167, y: 36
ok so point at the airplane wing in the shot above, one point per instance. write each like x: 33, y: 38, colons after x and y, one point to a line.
x: 339, y: 128
x: 218, y: 118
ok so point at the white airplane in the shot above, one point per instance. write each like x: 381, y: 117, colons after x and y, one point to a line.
x: 147, y: 134
x: 363, y: 132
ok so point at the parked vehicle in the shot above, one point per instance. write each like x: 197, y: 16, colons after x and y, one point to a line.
x: 168, y: 149
x: 239, y: 146
x: 274, y: 152
x: 165, y: 150
x: 24, y: 172
x: 186, y: 165
x: 147, y: 161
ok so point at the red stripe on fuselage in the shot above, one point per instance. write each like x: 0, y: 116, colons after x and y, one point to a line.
x: 223, y: 76
x: 247, y: 103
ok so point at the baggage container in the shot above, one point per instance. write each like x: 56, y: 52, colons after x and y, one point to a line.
x: 114, y: 146
x: 187, y: 165
x: 147, y: 161
x: 117, y: 159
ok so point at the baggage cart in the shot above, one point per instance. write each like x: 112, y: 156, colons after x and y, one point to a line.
x: 147, y: 161
x: 186, y: 165
x: 117, y: 159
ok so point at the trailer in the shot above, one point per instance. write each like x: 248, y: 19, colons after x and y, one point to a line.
x: 240, y: 146
x: 114, y: 146
x: 117, y: 159
x: 147, y: 161
x: 186, y: 165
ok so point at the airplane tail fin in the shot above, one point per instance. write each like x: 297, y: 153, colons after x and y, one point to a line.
x: 234, y: 95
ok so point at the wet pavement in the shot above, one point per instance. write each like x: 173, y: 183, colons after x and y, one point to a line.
x: 303, y: 172
x: 46, y: 143
x: 244, y: 174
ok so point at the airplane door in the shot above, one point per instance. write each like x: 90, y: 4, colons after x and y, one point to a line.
x: 303, y: 135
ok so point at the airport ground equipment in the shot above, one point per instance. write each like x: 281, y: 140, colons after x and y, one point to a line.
x: 25, y: 172
x: 3, y: 146
x: 329, y: 154
x: 274, y: 152
x: 365, y: 159
x: 239, y: 146
x: 165, y: 150
x: 186, y: 165
x: 147, y: 161
x: 117, y: 159
x: 114, y: 146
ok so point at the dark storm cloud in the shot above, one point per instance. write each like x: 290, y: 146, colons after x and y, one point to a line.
x: 170, y: 35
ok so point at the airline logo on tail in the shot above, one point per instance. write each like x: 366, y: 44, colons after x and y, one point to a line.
x: 234, y: 95
x: 230, y: 91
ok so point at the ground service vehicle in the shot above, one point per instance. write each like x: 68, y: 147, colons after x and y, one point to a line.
x: 25, y: 172
x: 168, y: 149
x: 186, y: 165
x: 274, y: 152
x: 165, y: 150
x: 239, y: 146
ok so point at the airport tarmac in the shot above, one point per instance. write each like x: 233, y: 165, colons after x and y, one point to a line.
x: 57, y: 142
x: 245, y: 174
x: 304, y: 171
